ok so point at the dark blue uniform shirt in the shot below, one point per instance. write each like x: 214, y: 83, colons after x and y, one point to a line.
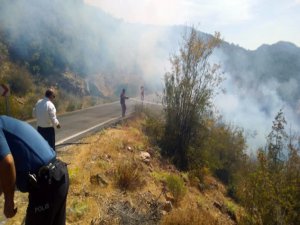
x: 28, y: 148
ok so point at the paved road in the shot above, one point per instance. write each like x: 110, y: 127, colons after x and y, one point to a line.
x: 77, y: 124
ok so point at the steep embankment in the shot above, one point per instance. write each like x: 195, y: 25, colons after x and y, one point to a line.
x: 118, y: 177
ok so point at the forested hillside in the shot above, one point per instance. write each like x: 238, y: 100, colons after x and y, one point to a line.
x: 52, y: 37
x: 274, y: 66
x: 83, y: 51
x: 87, y: 56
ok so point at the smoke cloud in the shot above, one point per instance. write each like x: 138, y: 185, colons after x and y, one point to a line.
x: 74, y: 36
x: 256, y: 91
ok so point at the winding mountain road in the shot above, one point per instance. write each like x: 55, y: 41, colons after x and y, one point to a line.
x: 77, y: 124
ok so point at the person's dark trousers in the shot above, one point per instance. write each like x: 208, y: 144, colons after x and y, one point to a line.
x: 123, y: 109
x: 49, y: 134
x: 47, y: 203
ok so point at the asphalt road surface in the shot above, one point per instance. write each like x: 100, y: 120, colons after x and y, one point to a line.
x: 77, y: 124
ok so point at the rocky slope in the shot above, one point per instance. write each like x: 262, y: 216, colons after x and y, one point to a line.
x: 118, y: 177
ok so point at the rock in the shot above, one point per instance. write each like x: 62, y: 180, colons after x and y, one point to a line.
x: 232, y: 215
x: 223, y: 209
x: 218, y: 205
x: 145, y: 156
x: 106, y: 157
x: 213, y: 186
x: 185, y: 179
x: 97, y: 179
x: 163, y: 212
x: 167, y: 206
x: 201, y: 187
x: 85, y: 193
x: 169, y: 197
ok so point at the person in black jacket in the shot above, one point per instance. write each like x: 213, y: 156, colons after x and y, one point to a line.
x: 123, y: 97
x: 28, y: 163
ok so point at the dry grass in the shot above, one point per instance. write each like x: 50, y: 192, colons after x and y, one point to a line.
x: 128, y: 175
x: 176, y: 186
x: 189, y: 216
x: 111, y: 157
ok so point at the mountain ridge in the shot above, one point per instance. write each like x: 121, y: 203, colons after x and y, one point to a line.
x: 52, y: 37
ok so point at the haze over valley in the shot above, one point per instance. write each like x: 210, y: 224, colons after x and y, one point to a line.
x: 51, y: 38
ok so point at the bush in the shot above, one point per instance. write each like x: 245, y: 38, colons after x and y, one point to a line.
x: 25, y: 109
x: 73, y: 175
x: 19, y: 80
x: 175, y: 185
x: 128, y: 175
x: 189, y: 89
x: 154, y: 128
x: 197, y: 176
x: 77, y: 210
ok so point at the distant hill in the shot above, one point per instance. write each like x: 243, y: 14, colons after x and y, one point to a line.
x: 52, y: 37
x: 267, y: 79
x: 280, y: 60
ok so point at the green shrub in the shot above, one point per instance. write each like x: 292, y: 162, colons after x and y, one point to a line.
x: 73, y: 175
x: 154, y: 128
x: 231, y: 207
x: 175, y: 185
x: 160, y: 176
x: 19, y: 81
x: 189, y: 89
x: 198, y: 174
x: 77, y: 210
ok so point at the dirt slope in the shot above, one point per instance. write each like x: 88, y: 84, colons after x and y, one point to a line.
x: 98, y: 196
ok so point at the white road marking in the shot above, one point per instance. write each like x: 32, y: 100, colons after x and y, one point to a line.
x: 100, y: 124
x: 84, y: 131
x: 147, y: 102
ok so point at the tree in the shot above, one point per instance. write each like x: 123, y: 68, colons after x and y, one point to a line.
x: 270, y: 193
x: 189, y: 89
x: 277, y: 142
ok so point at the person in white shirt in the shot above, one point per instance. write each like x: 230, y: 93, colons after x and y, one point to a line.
x: 45, y: 114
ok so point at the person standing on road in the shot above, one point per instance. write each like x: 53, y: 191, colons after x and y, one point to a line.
x: 29, y: 163
x: 123, y: 97
x: 142, y: 93
x: 45, y: 114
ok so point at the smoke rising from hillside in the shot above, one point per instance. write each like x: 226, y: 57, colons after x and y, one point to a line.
x: 252, y: 101
x: 84, y: 39
x: 74, y: 36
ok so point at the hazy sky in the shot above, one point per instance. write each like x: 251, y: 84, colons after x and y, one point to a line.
x: 248, y: 23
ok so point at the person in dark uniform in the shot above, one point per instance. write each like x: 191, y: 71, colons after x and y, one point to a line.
x: 28, y: 163
x: 142, y: 93
x: 123, y: 97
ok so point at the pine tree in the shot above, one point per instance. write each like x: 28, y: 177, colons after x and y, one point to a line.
x: 277, y: 142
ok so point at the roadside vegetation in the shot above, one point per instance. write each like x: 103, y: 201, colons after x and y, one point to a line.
x: 148, y: 190
x: 197, y: 142
x: 266, y: 186
x: 182, y: 166
x: 26, y: 87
